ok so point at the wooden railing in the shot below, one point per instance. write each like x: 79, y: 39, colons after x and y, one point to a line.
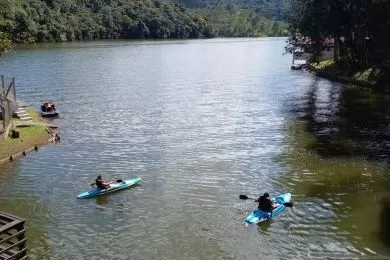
x: 12, y: 238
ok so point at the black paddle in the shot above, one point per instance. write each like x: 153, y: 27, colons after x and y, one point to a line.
x: 287, y: 204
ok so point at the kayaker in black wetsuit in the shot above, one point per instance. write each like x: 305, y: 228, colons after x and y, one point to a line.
x: 101, y: 184
x: 265, y: 203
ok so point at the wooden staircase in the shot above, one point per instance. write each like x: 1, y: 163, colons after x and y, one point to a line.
x: 21, y: 114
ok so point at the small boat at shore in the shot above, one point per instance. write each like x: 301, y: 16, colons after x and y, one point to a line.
x: 299, y: 59
x: 48, y: 109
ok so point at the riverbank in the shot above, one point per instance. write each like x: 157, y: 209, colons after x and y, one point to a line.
x: 32, y: 135
x: 366, y: 78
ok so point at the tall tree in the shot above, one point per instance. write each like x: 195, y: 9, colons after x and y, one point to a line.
x: 5, y: 42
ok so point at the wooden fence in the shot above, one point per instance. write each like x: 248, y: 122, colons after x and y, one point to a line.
x: 12, y: 238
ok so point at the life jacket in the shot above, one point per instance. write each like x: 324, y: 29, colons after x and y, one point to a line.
x: 99, y: 184
x: 265, y: 204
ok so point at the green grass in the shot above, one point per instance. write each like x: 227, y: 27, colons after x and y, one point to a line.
x: 36, y: 117
x: 29, y: 137
x: 370, y: 75
x: 329, y: 66
x: 343, y: 68
x: 325, y: 64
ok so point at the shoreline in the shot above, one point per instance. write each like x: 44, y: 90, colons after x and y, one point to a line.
x: 33, y: 135
x: 18, y: 155
x: 28, y: 148
x: 22, y: 46
x: 367, y: 78
x: 339, y: 78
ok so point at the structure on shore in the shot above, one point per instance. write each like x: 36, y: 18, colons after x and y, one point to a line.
x: 12, y: 237
x: 10, y: 107
x: 300, y: 59
x: 304, y: 48
x: 8, y: 103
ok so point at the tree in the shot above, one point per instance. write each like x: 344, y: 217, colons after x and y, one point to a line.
x: 5, y: 42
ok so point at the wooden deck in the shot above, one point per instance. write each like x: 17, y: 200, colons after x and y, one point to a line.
x: 12, y: 238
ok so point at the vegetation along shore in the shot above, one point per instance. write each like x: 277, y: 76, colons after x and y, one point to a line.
x: 54, y: 20
x: 31, y: 135
x: 360, y: 32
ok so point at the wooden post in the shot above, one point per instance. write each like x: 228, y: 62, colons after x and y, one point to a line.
x: 14, y: 87
x: 2, y: 101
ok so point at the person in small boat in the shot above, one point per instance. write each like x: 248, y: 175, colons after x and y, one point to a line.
x: 265, y: 203
x: 101, y: 184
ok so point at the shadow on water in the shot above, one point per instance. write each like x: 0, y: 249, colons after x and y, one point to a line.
x: 339, y: 155
x: 103, y: 199
x: 346, y: 121
x: 384, y: 221
x: 263, y: 227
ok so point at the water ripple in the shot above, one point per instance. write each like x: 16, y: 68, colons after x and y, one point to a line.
x: 200, y: 122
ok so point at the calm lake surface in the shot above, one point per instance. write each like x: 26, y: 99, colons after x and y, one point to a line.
x: 201, y: 122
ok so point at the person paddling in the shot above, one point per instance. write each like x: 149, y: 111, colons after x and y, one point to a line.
x: 265, y: 203
x: 101, y: 184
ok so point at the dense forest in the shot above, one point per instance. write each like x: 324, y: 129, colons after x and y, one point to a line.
x: 234, y: 21
x: 27, y: 21
x: 360, y: 30
x: 56, y: 20
x: 271, y: 9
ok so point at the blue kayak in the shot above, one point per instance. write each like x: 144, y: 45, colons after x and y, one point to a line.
x: 113, y: 187
x: 259, y: 216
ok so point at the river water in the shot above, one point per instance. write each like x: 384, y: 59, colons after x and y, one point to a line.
x: 201, y: 122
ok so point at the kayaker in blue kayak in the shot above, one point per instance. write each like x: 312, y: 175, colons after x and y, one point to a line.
x: 265, y: 203
x: 101, y: 184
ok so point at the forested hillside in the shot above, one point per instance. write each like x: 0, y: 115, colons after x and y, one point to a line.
x: 59, y: 20
x: 233, y: 21
x: 271, y: 9
x: 27, y: 21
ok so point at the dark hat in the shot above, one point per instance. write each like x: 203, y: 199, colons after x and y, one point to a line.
x: 99, y: 177
x: 266, y: 194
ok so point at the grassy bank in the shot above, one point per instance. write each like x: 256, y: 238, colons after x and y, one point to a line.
x: 342, y: 72
x: 29, y: 137
x: 36, y: 117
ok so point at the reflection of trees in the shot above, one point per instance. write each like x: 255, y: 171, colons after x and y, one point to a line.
x: 37, y: 217
x: 346, y: 120
x: 385, y: 224
x: 340, y: 122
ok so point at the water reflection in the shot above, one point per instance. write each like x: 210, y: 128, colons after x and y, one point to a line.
x: 37, y: 214
x: 384, y: 221
x: 198, y: 122
x: 335, y: 162
x: 102, y: 200
x: 263, y: 227
x: 346, y: 120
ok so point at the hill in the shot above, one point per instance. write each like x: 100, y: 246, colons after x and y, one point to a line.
x: 271, y: 9
x: 27, y: 21
x: 60, y: 20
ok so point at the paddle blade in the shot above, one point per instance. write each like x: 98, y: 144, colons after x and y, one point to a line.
x: 244, y: 197
x: 119, y: 180
x: 288, y: 204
